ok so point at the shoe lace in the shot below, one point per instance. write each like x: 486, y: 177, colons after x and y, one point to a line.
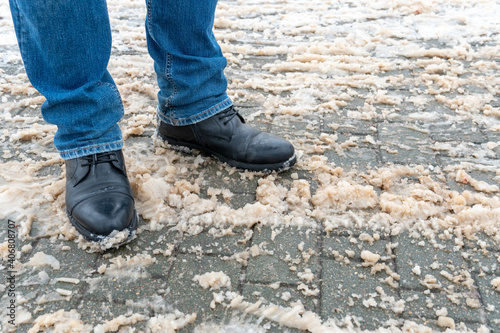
x: 94, y: 159
x: 228, y: 115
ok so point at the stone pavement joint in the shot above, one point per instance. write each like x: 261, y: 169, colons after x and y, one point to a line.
x: 418, y: 272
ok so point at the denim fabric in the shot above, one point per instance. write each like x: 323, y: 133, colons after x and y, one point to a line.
x: 188, y: 61
x: 66, y: 45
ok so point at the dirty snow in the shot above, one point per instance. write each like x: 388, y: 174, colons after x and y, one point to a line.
x: 309, y: 70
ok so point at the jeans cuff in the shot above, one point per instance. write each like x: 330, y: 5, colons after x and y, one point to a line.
x: 95, y: 149
x: 205, y: 114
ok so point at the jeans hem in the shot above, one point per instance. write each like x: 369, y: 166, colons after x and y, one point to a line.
x: 95, y: 149
x: 205, y: 114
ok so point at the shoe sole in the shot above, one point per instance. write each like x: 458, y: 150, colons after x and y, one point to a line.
x: 100, y: 239
x: 186, y: 147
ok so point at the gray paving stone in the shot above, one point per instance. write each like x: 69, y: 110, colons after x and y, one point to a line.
x: 356, y: 101
x: 493, y: 137
x: 248, y: 110
x: 222, y: 176
x: 134, y: 282
x: 344, y: 290
x: 488, y: 177
x: 410, y: 113
x: 209, y: 244
x: 491, y: 300
x: 348, y: 126
x: 235, y: 201
x: 427, y: 305
x: 74, y: 263
x: 402, y: 138
x: 122, y: 289
x: 151, y: 240
x: 285, y: 178
x: 43, y: 299
x: 35, y: 295
x: 145, y: 242
x: 484, y: 261
x: 359, y: 158
x: 342, y: 242
x: 465, y: 131
x: 481, y: 242
x: 276, y: 328
x: 98, y: 312
x: 400, y: 144
x: 241, y: 323
x: 270, y: 269
x: 460, y: 325
x: 53, y: 169
x: 410, y: 254
x: 283, y: 296
x: 282, y: 125
x: 188, y: 296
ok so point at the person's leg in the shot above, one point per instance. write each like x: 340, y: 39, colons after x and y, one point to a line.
x: 65, y: 46
x: 188, y: 61
x: 194, y: 110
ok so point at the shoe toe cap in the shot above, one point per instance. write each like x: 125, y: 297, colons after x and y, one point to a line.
x: 266, y: 148
x: 102, y: 215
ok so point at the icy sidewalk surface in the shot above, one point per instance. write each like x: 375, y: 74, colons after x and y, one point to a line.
x: 390, y: 220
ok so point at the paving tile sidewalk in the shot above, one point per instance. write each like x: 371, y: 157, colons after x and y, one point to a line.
x: 326, y: 271
x: 341, y: 285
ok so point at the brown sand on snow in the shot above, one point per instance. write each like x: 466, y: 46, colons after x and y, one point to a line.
x: 326, y: 55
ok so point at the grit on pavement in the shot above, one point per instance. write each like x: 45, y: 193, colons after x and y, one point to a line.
x: 389, y: 221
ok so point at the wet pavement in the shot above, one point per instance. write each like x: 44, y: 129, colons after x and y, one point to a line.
x: 311, y: 262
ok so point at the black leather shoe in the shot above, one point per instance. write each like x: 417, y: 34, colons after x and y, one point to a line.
x: 226, y: 136
x: 99, y: 199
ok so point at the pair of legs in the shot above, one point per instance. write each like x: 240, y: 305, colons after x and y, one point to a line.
x: 66, y: 45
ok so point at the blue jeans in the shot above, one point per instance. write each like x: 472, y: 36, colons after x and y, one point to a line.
x: 66, y: 45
